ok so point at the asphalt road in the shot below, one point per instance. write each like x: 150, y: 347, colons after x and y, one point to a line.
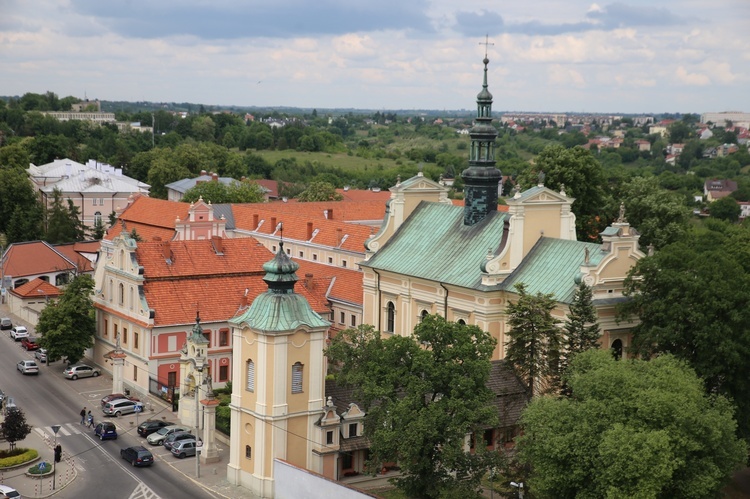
x: 49, y: 399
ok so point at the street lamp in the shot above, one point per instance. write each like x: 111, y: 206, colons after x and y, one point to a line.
x: 519, y: 486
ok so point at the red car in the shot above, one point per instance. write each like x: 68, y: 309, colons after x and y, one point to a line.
x: 29, y: 343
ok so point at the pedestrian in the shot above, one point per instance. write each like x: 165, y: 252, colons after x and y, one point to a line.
x: 83, y: 416
x: 90, y: 419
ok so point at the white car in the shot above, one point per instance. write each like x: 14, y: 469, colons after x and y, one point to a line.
x: 19, y: 332
x: 27, y: 367
x: 9, y: 492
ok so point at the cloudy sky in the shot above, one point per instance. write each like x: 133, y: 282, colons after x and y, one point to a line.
x: 626, y: 56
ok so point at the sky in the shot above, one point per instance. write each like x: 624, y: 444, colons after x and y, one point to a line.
x: 626, y: 56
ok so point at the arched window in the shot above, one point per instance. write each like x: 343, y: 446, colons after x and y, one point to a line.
x: 97, y: 218
x: 122, y: 259
x: 121, y: 287
x: 617, y: 349
x: 250, y: 368
x: 390, y: 317
x: 111, y: 291
x: 297, y: 377
x: 130, y: 297
x: 424, y: 314
x: 462, y: 322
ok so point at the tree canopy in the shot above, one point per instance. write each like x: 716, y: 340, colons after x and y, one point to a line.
x: 632, y: 428
x: 690, y: 299
x: 63, y: 222
x: 422, y: 394
x: 15, y: 427
x: 320, y: 191
x: 68, y: 324
x: 245, y: 191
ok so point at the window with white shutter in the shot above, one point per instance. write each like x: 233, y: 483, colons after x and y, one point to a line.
x: 297, y: 377
x: 250, y: 376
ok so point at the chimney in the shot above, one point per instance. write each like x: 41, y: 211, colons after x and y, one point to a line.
x: 255, y: 221
x: 339, y: 232
x: 166, y: 251
x: 308, y: 281
x: 218, y: 244
x: 243, y: 301
x: 215, y: 177
x: 273, y: 224
x: 203, y: 172
x: 309, y: 230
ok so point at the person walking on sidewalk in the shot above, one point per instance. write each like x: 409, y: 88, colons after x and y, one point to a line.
x: 83, y: 416
x: 90, y: 419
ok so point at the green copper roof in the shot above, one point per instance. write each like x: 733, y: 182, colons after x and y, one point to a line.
x: 274, y: 312
x: 433, y: 243
x: 280, y: 309
x: 197, y: 334
x: 554, y: 266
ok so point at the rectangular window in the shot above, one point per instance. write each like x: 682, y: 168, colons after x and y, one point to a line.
x: 301, y: 254
x: 106, y: 328
x: 171, y: 343
x: 352, y: 430
x: 354, y: 321
x: 207, y: 335
x: 330, y: 260
x: 343, y: 263
x: 223, y: 338
x: 172, y: 378
x: 135, y: 340
x: 315, y: 257
x: 248, y: 452
x: 250, y: 376
x: 342, y: 318
x: 116, y: 331
x: 488, y: 440
x: 124, y: 336
x: 223, y: 373
x: 297, y: 377
x: 347, y: 461
x: 273, y: 249
x: 329, y: 438
x: 135, y: 373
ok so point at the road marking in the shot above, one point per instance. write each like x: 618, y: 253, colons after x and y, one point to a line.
x: 143, y: 491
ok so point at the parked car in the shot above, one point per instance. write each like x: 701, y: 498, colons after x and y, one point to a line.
x: 184, y: 448
x: 9, y: 492
x: 6, y: 323
x: 137, y: 456
x: 41, y: 355
x: 152, y: 425
x: 81, y: 371
x: 29, y: 343
x: 158, y: 437
x: 116, y: 396
x: 27, y: 367
x: 119, y: 407
x: 105, y: 431
x: 19, y: 332
x: 176, y: 437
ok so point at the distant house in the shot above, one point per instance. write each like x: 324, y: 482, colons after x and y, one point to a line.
x: 176, y: 190
x: 643, y: 145
x: 714, y: 189
x: 24, y: 262
x: 28, y: 300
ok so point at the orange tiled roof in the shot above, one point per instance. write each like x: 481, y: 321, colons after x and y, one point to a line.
x: 34, y: 257
x: 359, y: 195
x: 37, y: 287
x: 151, y: 218
x: 332, y: 233
x: 192, y: 258
x: 347, y: 211
x: 70, y: 252
x: 346, y: 283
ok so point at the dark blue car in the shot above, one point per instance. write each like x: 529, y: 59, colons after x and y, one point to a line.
x: 106, y: 431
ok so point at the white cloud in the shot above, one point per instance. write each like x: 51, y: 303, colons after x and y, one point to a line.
x: 687, y: 78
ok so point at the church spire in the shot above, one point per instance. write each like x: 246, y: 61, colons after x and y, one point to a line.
x: 481, y: 178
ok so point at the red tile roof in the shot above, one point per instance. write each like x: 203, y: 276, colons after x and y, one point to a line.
x: 332, y: 233
x: 150, y: 217
x: 71, y: 253
x: 35, y: 257
x: 345, y: 284
x: 346, y: 211
x: 359, y: 195
x: 37, y: 288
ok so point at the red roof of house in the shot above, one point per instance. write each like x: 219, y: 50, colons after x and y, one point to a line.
x: 346, y: 211
x: 70, y: 252
x: 37, y: 288
x: 342, y: 284
x: 150, y: 217
x: 359, y: 195
x: 36, y: 257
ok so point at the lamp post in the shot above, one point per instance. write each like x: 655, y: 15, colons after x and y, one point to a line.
x: 55, y: 429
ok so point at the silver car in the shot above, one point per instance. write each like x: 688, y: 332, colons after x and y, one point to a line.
x: 119, y: 407
x: 27, y: 367
x: 158, y: 437
x: 81, y: 371
x: 184, y: 448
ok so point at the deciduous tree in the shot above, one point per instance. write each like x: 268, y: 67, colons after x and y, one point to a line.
x: 319, y: 191
x: 726, y: 208
x: 68, y: 324
x: 15, y: 427
x: 423, y: 394
x: 633, y: 428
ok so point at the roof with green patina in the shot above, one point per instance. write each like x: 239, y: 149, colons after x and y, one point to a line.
x: 553, y: 267
x: 280, y: 312
x: 434, y: 244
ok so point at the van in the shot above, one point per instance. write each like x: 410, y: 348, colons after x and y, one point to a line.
x: 6, y: 323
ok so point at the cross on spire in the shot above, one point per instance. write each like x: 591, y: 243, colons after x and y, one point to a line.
x: 486, y: 43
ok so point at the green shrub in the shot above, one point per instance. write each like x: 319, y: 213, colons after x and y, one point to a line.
x: 223, y: 418
x: 24, y: 456
x: 37, y: 470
